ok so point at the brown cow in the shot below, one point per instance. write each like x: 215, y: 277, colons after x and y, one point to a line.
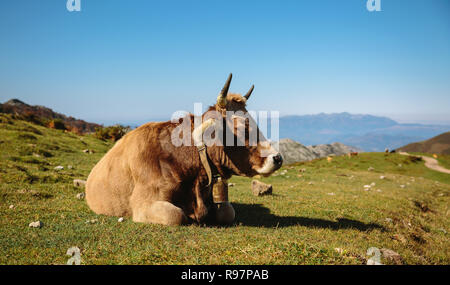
x: 147, y: 177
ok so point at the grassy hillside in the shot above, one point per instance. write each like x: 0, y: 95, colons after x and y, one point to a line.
x: 316, y: 207
x: 439, y: 144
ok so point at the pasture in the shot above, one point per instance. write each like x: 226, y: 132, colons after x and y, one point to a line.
x: 319, y: 213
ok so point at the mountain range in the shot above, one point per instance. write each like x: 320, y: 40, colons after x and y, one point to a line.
x: 366, y: 132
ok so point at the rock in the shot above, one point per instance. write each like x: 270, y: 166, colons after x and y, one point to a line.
x: 88, y: 151
x: 331, y: 194
x: 80, y: 196
x: 231, y: 184
x: 59, y: 167
x: 310, y: 183
x: 392, y: 256
x: 93, y: 221
x: 11, y: 206
x: 373, y: 262
x: 79, y: 183
x: 120, y: 219
x: 37, y: 224
x: 339, y: 250
x: 371, y: 169
x: 389, y: 220
x: 402, y: 186
x: 382, y: 177
x: 259, y: 188
x: 69, y: 167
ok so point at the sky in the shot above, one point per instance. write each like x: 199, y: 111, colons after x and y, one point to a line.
x: 119, y: 61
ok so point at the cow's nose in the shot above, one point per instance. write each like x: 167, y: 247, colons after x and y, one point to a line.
x: 278, y: 159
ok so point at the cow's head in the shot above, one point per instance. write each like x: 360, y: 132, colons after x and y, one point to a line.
x: 245, y: 151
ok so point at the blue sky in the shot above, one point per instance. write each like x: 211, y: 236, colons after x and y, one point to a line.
x: 132, y: 61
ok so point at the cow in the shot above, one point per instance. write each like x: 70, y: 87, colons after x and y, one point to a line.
x: 350, y: 154
x: 148, y: 178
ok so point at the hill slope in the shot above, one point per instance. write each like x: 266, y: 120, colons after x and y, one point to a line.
x: 439, y: 144
x: 41, y: 113
x: 319, y: 212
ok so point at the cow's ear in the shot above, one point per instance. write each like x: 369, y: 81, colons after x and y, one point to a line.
x: 222, y: 98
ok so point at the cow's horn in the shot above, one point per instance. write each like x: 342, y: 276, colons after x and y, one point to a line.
x: 197, y: 133
x: 246, y: 96
x: 222, y: 98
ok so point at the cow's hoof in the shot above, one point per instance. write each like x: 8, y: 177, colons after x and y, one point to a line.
x: 224, y: 213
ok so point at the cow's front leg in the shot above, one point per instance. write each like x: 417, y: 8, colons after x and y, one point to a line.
x: 159, y: 212
x: 147, y: 210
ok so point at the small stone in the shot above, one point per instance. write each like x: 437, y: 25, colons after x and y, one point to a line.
x: 59, y: 167
x: 69, y: 167
x: 371, y: 168
x: 120, y: 219
x: 372, y: 184
x: 79, y: 183
x: 378, y: 190
x: 392, y: 256
x: 339, y: 250
x: 93, y: 221
x: 402, y: 186
x: 389, y: 220
x: 80, y: 196
x: 37, y: 224
x: 400, y: 165
x: 331, y: 194
x: 259, y: 188
x: 382, y: 177
x: 310, y: 183
x: 231, y: 184
x: 11, y: 206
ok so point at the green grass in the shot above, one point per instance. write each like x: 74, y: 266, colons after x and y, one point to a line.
x: 303, y: 222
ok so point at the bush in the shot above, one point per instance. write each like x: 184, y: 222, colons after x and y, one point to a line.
x: 57, y: 124
x: 113, y: 133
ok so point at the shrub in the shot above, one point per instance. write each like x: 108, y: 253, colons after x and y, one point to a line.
x: 113, y: 133
x: 57, y: 124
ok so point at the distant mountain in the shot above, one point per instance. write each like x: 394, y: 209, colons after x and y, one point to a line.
x: 367, y: 132
x: 439, y: 145
x: 44, y: 115
x: 293, y: 151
